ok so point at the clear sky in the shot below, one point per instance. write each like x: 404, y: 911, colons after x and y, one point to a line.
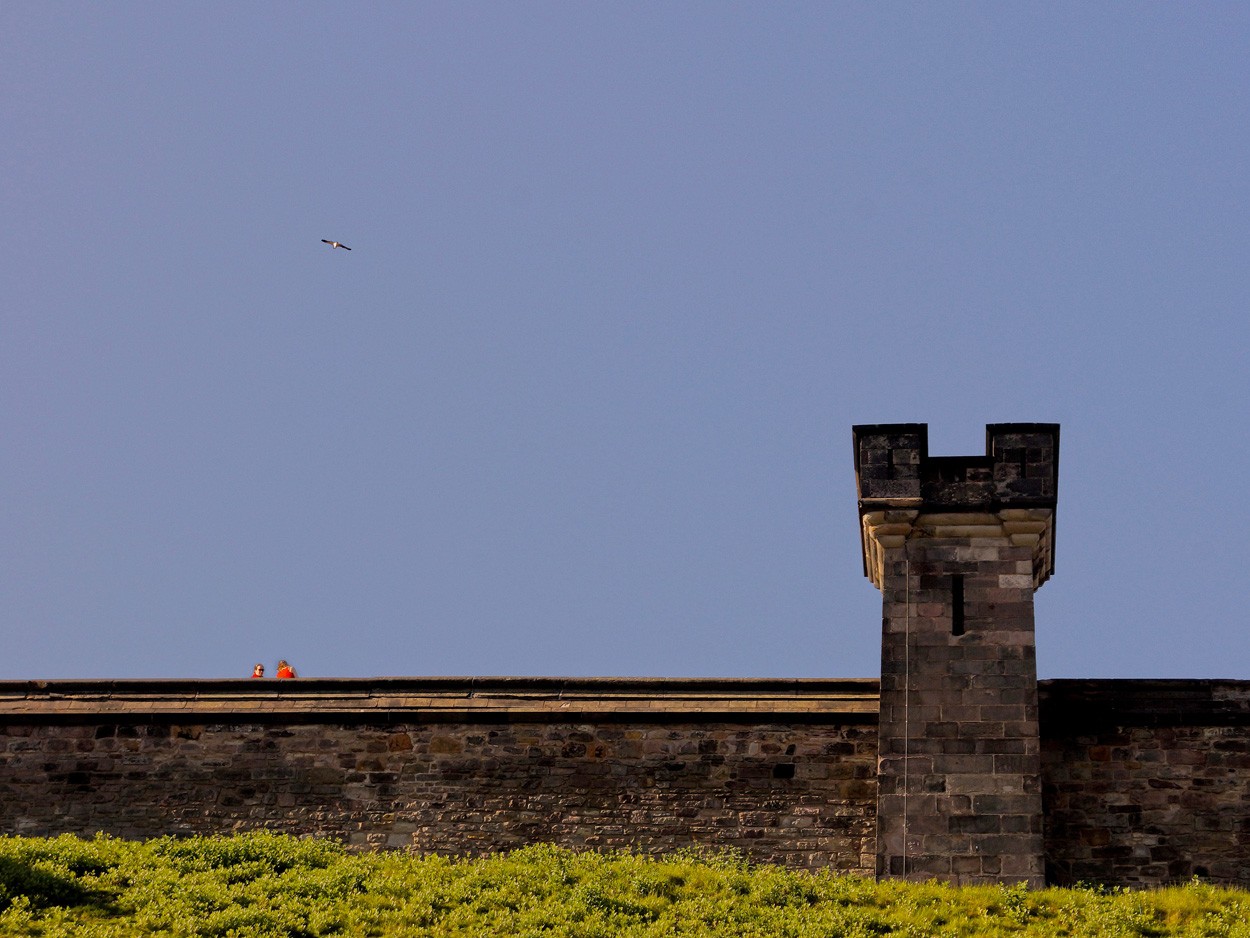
x: 623, y: 276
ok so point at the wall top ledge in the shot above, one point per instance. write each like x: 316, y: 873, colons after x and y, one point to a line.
x: 445, y: 699
x: 1067, y: 706
x: 1071, y: 706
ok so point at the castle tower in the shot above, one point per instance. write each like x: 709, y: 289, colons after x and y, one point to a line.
x: 957, y: 545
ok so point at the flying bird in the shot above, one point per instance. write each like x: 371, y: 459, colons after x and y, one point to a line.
x: 335, y: 244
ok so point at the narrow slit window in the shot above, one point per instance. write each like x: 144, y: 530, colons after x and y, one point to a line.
x: 957, y: 604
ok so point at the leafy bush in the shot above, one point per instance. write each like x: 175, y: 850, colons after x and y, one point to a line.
x: 268, y: 885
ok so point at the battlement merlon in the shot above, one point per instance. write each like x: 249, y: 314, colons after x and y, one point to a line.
x: 1009, y: 492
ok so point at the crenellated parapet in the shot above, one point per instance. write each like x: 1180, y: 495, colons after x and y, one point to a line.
x: 1008, y: 494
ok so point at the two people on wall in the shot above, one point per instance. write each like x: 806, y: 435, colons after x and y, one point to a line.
x: 284, y: 670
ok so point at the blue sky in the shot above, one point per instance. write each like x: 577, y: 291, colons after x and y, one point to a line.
x: 579, y: 400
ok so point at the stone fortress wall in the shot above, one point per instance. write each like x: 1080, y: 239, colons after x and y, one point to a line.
x: 783, y: 770
x: 1146, y: 782
x: 957, y: 764
x: 1143, y: 782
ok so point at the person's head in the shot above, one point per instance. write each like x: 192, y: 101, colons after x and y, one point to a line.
x: 283, y: 664
x: 259, y: 670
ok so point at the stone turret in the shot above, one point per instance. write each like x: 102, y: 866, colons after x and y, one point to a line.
x: 957, y: 545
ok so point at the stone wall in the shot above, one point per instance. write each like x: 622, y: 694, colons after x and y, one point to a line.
x: 784, y: 771
x: 1146, y: 782
x: 1143, y: 782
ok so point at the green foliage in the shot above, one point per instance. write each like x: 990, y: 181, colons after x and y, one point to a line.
x: 267, y: 885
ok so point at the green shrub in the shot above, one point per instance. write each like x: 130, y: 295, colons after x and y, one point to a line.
x: 268, y: 885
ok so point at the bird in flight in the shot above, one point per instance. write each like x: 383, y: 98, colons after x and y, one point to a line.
x: 335, y: 244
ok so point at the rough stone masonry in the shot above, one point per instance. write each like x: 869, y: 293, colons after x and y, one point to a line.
x: 957, y: 545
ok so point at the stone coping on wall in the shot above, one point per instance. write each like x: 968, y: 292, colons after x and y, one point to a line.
x: 1069, y: 706
x: 439, y: 699
x: 1066, y: 705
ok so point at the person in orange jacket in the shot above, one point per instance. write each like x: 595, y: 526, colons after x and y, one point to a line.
x: 284, y: 669
x: 258, y: 671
